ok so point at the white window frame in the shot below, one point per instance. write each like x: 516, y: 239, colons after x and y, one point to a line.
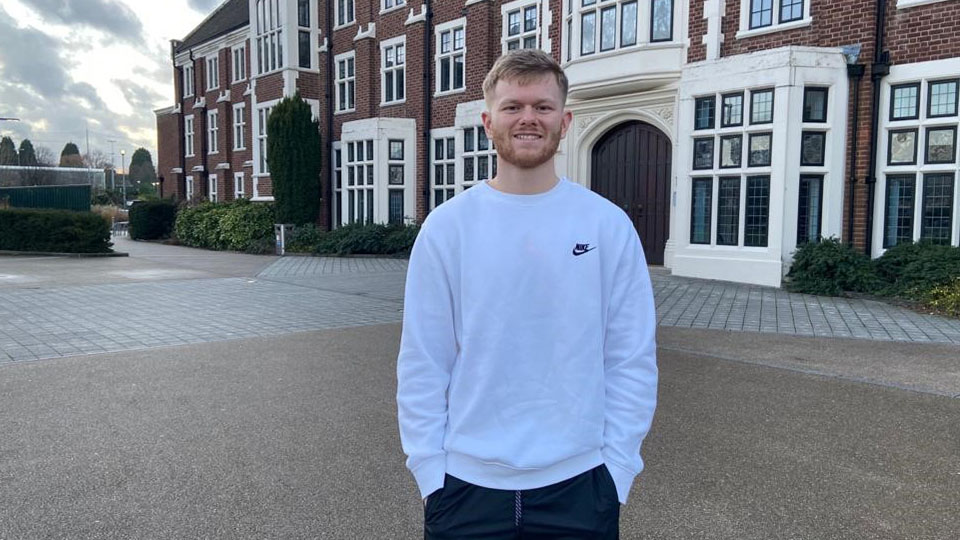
x: 188, y: 80
x: 213, y: 71
x: 925, y: 74
x: 238, y: 187
x: 450, y: 27
x: 347, y: 85
x: 269, y: 35
x: 775, y: 25
x: 474, y: 155
x: 573, y: 11
x: 239, y: 60
x: 239, y: 126
x: 391, y: 5
x: 361, y: 189
x: 188, y: 187
x: 447, y: 190
x: 188, y: 130
x: 904, y: 4
x: 263, y: 113
x: 213, y: 131
x: 520, y: 6
x: 212, y: 193
x: 347, y: 15
x: 337, y: 182
x: 396, y: 44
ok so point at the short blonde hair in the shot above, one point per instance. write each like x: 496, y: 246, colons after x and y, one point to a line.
x: 524, y: 66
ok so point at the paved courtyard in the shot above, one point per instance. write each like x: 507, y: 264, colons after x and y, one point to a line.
x: 293, y: 294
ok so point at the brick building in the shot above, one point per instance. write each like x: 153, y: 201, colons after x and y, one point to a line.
x: 729, y: 130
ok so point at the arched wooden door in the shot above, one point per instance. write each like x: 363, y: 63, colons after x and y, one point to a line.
x: 631, y: 167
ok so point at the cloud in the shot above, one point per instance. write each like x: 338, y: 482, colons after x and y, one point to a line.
x: 204, y: 6
x: 31, y: 58
x: 109, y: 16
x: 36, y: 87
x: 139, y: 97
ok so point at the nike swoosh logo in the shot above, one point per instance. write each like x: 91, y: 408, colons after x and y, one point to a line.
x: 577, y: 251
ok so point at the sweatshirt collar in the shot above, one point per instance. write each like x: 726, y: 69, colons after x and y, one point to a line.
x: 536, y: 198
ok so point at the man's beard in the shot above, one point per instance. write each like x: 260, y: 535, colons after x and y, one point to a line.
x: 506, y: 151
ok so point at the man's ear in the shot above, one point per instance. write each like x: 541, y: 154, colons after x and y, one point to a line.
x: 485, y: 119
x: 565, y: 123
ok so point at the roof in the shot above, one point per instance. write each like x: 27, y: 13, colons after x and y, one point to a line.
x: 231, y: 15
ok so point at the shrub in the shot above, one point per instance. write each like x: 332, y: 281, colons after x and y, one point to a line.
x: 830, y: 267
x: 913, y: 269
x: 240, y: 225
x: 945, y: 298
x: 293, y: 153
x: 400, y: 239
x: 304, y: 239
x: 55, y: 231
x: 151, y: 220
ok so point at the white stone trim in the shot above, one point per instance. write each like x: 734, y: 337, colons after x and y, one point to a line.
x: 414, y: 17
x: 904, y: 4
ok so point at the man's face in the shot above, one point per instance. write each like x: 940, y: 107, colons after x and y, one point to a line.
x: 526, y: 122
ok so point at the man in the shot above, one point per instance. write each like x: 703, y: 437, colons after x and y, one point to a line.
x: 527, y: 373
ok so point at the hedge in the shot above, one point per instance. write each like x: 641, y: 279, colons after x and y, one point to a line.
x: 370, y: 239
x: 239, y: 225
x: 150, y: 220
x: 54, y: 231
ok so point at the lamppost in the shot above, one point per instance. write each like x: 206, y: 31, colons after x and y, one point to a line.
x: 123, y: 167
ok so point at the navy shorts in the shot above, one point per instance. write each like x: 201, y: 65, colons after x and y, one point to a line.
x: 582, y: 507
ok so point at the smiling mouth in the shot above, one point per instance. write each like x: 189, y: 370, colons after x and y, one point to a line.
x: 527, y: 137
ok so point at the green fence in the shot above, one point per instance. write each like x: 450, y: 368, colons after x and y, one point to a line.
x: 60, y: 197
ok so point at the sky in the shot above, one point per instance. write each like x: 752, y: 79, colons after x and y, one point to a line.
x: 69, y: 67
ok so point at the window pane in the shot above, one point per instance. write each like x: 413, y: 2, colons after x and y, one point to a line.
x: 906, y: 102
x: 898, y: 221
x: 437, y: 197
x: 941, y: 145
x: 360, y: 206
x: 513, y: 45
x: 468, y: 169
x: 530, y: 42
x: 732, y: 110
x: 395, y: 176
x: 458, y: 39
x: 438, y: 175
x: 369, y: 175
x: 791, y: 10
x: 351, y: 196
x: 943, y: 99
x: 445, y: 39
x: 360, y: 152
x: 437, y: 149
x: 759, y: 155
x: 704, y: 110
x: 902, y: 147
x: 370, y: 150
x: 936, y: 224
x: 761, y: 13
x: 608, y: 28
x: 458, y: 71
x: 451, y: 174
x: 588, y: 33
x: 808, y: 211
x: 662, y: 18
x: 731, y: 151
x: 369, y: 206
x: 569, y: 39
x: 530, y: 19
x: 513, y: 23
x: 812, y: 147
x: 483, y: 170
x: 761, y: 107
x: 756, y: 220
x: 728, y: 211
x: 700, y: 211
x: 450, y: 148
x: 628, y: 24
x: 703, y: 153
x: 396, y: 207
x: 304, y: 49
x: 814, y: 104
x: 468, y: 140
x: 396, y: 150
x: 444, y: 74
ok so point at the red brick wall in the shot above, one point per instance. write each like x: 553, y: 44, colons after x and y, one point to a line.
x: 697, y: 28
x: 169, y: 147
x: 922, y: 33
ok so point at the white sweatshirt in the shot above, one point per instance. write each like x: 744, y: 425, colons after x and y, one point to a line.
x: 528, y: 352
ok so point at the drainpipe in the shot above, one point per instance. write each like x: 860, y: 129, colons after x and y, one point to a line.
x: 331, y: 160
x: 879, y: 69
x: 427, y: 103
x: 855, y: 74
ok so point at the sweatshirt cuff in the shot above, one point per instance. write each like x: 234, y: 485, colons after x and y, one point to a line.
x: 622, y: 478
x: 429, y: 474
